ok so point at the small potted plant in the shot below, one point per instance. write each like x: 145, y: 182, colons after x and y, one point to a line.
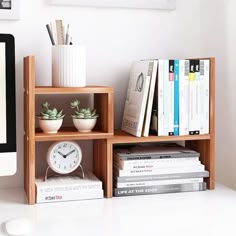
x: 50, y: 120
x: 84, y: 119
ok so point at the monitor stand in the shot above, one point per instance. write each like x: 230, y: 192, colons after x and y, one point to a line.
x: 7, y: 163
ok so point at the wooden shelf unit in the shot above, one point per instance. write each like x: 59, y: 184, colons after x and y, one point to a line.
x: 103, y: 137
x: 103, y: 102
x: 204, y: 144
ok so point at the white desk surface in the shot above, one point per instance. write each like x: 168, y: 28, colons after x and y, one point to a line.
x: 210, y: 213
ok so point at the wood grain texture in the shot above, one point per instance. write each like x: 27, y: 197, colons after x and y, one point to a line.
x: 102, y: 164
x: 103, y: 103
x: 29, y: 127
x: 73, y: 90
x: 123, y: 137
x: 70, y: 134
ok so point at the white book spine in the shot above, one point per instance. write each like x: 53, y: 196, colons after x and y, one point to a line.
x: 155, y: 161
x: 68, y: 196
x: 158, y: 182
x: 166, y: 99
x: 161, y: 171
x: 171, y: 98
x: 142, y: 164
x: 68, y: 188
x: 150, y: 100
x: 183, y: 97
x: 160, y: 95
x: 192, y: 98
x: 204, y: 76
x: 199, y: 109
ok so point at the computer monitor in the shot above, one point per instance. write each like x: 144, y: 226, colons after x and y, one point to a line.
x: 8, y: 155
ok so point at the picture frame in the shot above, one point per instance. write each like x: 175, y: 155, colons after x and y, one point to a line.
x: 144, y: 4
x: 9, y: 9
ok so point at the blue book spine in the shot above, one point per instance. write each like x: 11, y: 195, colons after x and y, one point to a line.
x: 176, y: 97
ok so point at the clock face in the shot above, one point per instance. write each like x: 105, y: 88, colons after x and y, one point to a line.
x: 64, y: 157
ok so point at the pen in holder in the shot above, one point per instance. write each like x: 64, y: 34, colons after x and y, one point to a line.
x: 68, y: 66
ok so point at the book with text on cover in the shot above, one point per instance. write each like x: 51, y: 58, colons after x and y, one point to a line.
x: 66, y: 188
x: 137, y: 94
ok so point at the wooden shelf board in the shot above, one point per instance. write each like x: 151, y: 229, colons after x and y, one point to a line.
x: 123, y: 137
x: 73, y: 90
x: 70, y: 134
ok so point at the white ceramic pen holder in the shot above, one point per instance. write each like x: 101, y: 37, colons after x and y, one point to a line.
x: 68, y: 66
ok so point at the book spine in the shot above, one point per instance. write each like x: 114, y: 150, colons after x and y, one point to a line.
x: 157, y: 156
x: 68, y: 188
x: 157, y: 182
x: 158, y: 171
x: 67, y: 196
x: 204, y: 77
x: 183, y: 97
x: 170, y: 188
x: 160, y: 94
x: 201, y: 174
x: 166, y: 99
x: 150, y: 100
x: 192, y: 97
x: 171, y: 98
x: 198, y: 97
x: 176, y: 97
x: 153, y: 164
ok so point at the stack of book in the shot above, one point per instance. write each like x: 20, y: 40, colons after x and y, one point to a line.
x: 163, y: 168
x: 68, y: 188
x: 167, y: 97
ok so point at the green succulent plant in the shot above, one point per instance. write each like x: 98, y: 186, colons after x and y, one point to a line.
x: 50, y: 114
x: 82, y: 113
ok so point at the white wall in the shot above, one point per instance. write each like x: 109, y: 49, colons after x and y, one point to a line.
x: 115, y: 37
x: 226, y: 104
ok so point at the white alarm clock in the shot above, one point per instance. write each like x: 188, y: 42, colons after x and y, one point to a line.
x: 64, y: 157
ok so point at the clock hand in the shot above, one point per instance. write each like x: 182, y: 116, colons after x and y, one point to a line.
x: 69, y: 153
x: 61, y: 154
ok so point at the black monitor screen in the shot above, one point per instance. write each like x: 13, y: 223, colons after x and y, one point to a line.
x: 7, y: 94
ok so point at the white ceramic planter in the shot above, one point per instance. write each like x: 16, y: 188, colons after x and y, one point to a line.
x: 50, y: 126
x: 84, y: 125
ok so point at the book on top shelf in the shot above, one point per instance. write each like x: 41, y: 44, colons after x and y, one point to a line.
x: 148, y: 113
x: 183, y: 97
x: 137, y: 94
x: 205, y: 91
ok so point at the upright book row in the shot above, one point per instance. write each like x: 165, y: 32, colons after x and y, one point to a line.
x: 167, y: 97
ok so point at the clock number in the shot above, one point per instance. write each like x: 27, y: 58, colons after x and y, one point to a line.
x: 64, y: 145
x: 64, y: 167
